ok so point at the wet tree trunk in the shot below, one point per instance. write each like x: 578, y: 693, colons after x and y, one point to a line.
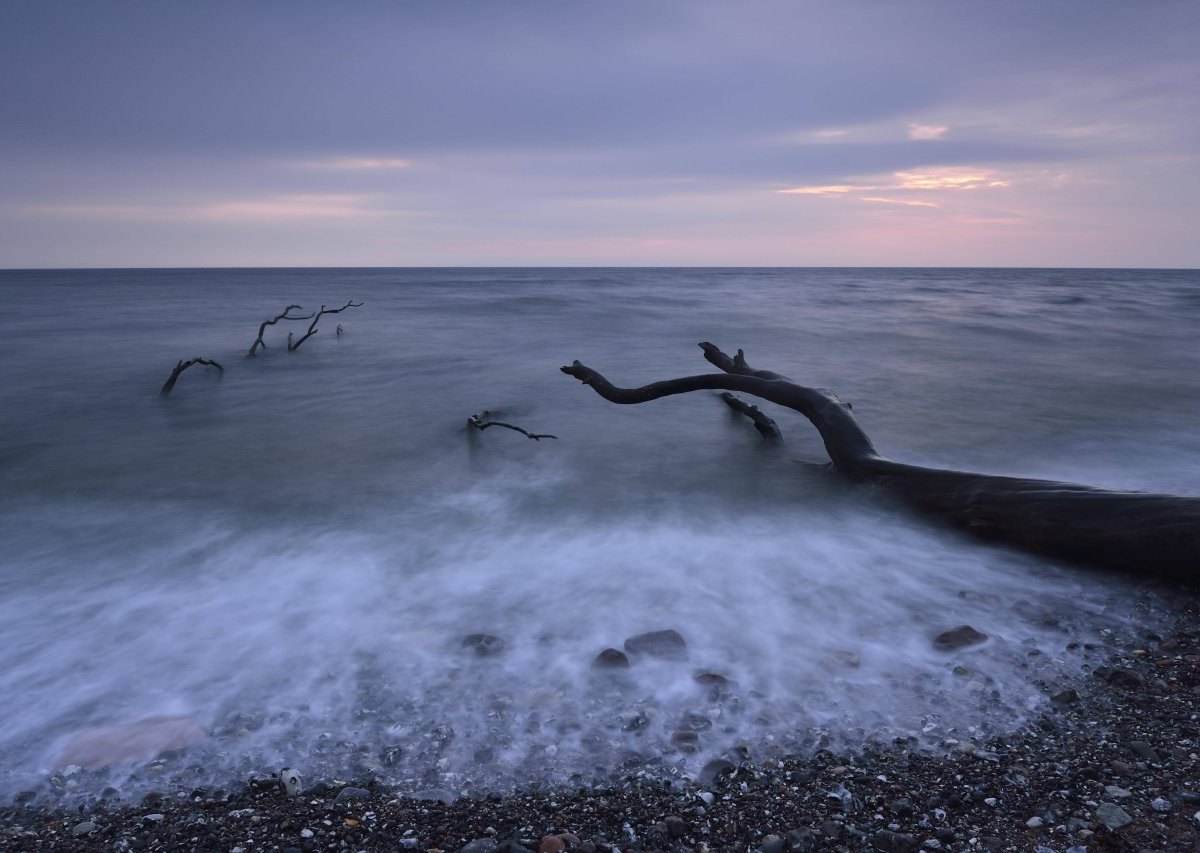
x: 1133, y: 531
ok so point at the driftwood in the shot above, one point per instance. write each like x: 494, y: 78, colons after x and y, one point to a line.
x: 1133, y: 531
x: 480, y: 422
x: 262, y: 329
x: 182, y: 366
x: 312, y: 327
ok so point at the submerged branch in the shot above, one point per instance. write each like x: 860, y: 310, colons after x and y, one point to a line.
x: 286, y: 315
x: 478, y: 422
x: 184, y: 365
x: 312, y: 328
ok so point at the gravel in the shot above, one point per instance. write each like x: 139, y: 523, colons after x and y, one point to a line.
x: 1114, y: 769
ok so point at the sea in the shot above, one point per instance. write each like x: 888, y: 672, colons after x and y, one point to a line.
x: 310, y: 559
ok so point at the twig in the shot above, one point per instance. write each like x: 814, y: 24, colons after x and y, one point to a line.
x: 478, y: 422
x: 312, y: 328
x: 766, y: 427
x: 184, y: 365
x: 259, y: 342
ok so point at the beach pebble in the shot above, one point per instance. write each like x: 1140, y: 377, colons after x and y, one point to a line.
x: 611, y: 659
x: 484, y: 645
x: 958, y: 638
x: 1112, y: 816
x: 1034, y: 822
x: 351, y: 793
x: 1160, y: 805
x: 665, y: 645
x: 84, y: 828
x: 290, y: 780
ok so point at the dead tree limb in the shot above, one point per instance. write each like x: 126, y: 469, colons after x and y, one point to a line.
x: 766, y: 427
x: 182, y: 366
x: 478, y: 422
x: 1136, y: 531
x: 312, y: 328
x: 262, y: 329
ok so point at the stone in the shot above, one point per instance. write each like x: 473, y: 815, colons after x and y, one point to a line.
x: 771, y: 844
x: 611, y: 659
x: 551, y: 844
x: 710, y: 771
x: 1065, y: 697
x: 1034, y: 822
x: 480, y: 845
x: 351, y: 793
x: 440, y: 795
x: 290, y: 780
x: 134, y: 742
x: 710, y: 679
x: 1160, y: 805
x: 1143, y: 750
x: 1117, y: 793
x: 676, y: 826
x: 800, y: 840
x: 1112, y: 816
x: 664, y: 645
x: 958, y: 638
x: 484, y: 645
x: 893, y: 842
x: 85, y: 828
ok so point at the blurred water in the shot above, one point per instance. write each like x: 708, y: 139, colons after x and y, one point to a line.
x: 291, y: 554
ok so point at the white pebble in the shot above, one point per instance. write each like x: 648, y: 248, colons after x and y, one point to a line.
x: 1160, y: 805
x: 1034, y: 822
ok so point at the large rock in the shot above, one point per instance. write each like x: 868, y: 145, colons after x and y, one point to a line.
x: 958, y: 638
x: 132, y: 743
x: 611, y: 659
x: 665, y: 645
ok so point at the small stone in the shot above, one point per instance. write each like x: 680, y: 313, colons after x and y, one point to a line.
x: 1160, y: 805
x: 1143, y: 750
x: 710, y: 771
x: 551, y: 844
x: 710, y: 679
x: 484, y: 645
x: 771, y: 844
x: 706, y: 797
x: 290, y: 780
x: 440, y: 795
x: 665, y: 645
x: 155, y: 818
x: 1112, y: 816
x: 893, y: 842
x: 1065, y: 697
x: 676, y: 826
x: 1117, y: 793
x: 990, y: 802
x: 306, y: 833
x: 611, y: 659
x: 480, y: 845
x: 351, y: 793
x: 958, y: 638
x: 1034, y: 822
x: 84, y: 828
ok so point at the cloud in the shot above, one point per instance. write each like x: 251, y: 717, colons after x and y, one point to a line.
x: 261, y: 210
x: 926, y: 131
x: 883, y: 200
x: 358, y: 164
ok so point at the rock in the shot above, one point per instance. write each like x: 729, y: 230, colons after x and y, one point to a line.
x: 710, y: 679
x: 611, y: 659
x: 440, y: 795
x: 1160, y: 805
x: 1112, y: 816
x: 893, y: 842
x: 1117, y: 793
x: 480, y: 845
x: 484, y: 645
x: 664, y: 645
x: 710, y: 771
x: 290, y: 780
x: 958, y: 638
x: 1143, y: 750
x: 902, y: 808
x: 1034, y: 822
x: 676, y: 826
x: 1119, y: 677
x: 351, y: 793
x: 84, y: 828
x: 551, y: 844
x: 1065, y: 697
x: 135, y: 742
x: 801, y: 840
x: 688, y: 741
x: 771, y: 844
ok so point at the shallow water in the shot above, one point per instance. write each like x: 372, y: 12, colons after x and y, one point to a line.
x: 291, y: 554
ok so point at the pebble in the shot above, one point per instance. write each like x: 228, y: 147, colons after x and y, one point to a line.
x: 1112, y: 816
x: 1117, y: 793
x: 611, y: 659
x: 665, y: 645
x: 351, y: 793
x: 84, y: 828
x: 1160, y: 805
x: 958, y: 638
x: 1034, y: 822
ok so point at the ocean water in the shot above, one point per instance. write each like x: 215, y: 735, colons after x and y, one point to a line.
x: 286, y: 557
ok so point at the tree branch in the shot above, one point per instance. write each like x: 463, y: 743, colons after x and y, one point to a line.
x: 478, y: 422
x: 259, y: 342
x: 312, y: 328
x: 182, y: 366
x: 766, y: 427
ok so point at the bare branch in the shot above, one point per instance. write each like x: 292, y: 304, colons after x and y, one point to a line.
x: 259, y: 342
x: 478, y: 422
x: 766, y: 427
x: 184, y: 365
x: 312, y: 329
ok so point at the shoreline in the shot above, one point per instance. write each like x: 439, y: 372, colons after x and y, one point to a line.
x: 1113, y: 764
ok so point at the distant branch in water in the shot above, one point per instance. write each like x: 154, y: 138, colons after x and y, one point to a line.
x: 286, y: 315
x: 312, y: 328
x: 766, y: 427
x: 1133, y: 531
x: 481, y: 423
x: 184, y: 365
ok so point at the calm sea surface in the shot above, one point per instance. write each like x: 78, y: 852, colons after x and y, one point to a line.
x: 289, y: 555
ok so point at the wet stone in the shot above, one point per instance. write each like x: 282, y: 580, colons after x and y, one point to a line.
x: 1113, y: 816
x: 961, y: 637
x: 484, y: 645
x: 664, y: 645
x: 84, y: 828
x: 611, y: 659
x: 351, y: 793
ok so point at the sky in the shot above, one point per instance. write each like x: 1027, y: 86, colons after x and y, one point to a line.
x: 647, y: 133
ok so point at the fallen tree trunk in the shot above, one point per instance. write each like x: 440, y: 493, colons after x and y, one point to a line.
x: 1133, y: 531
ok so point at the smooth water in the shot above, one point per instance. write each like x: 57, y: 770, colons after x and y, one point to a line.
x: 290, y: 555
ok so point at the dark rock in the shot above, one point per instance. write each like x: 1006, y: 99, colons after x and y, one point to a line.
x: 710, y: 771
x: 665, y: 645
x: 84, y: 828
x: 484, y: 645
x: 902, y: 808
x: 611, y: 659
x: 893, y: 842
x: 958, y: 638
x: 551, y: 844
x: 1065, y: 697
x: 1143, y: 750
x: 676, y: 826
x: 802, y: 839
x: 831, y: 829
x: 685, y: 740
x: 1113, y: 816
x: 709, y: 679
x: 351, y: 793
x: 440, y: 795
x: 772, y: 844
